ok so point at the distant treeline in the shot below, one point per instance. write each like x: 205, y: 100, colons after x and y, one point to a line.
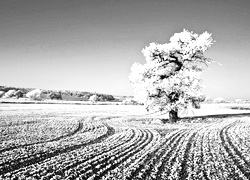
x: 62, y: 94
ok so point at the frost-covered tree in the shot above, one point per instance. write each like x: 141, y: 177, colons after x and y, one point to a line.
x: 171, y: 76
x: 94, y: 98
x: 34, y: 94
x: 10, y: 94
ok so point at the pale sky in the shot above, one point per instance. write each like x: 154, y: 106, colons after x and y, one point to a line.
x: 90, y: 45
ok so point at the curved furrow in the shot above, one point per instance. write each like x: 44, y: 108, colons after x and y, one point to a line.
x: 112, y: 146
x: 86, y: 165
x: 133, y: 152
x: 237, y: 135
x: 229, y: 170
x: 150, y: 159
x: 210, y: 159
x: 213, y: 150
x: 113, y: 160
x: 183, y: 172
x: 86, y: 168
x: 134, y: 161
x: 164, y: 157
x: 32, y: 135
x: 169, y: 157
x: 43, y: 148
x: 193, y: 159
x: 178, y: 164
x: 226, y: 169
x: 63, y: 164
x: 204, y: 156
x: 35, y: 159
x: 235, y: 150
x: 233, y: 156
x: 194, y: 166
x: 243, y: 134
x: 79, y: 128
x: 156, y: 159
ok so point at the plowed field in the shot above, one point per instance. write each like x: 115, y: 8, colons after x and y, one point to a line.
x: 97, y: 143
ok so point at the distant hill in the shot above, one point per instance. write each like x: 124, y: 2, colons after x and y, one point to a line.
x: 67, y: 95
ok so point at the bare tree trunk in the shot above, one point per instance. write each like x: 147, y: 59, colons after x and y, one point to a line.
x: 173, y: 116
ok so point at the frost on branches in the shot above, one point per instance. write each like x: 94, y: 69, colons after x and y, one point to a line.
x: 171, y: 77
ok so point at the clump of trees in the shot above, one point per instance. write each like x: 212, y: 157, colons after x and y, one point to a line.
x: 106, y: 97
x: 100, y: 97
x: 171, y: 76
x: 55, y: 95
x: 35, y: 94
x: 52, y: 94
x: 11, y: 94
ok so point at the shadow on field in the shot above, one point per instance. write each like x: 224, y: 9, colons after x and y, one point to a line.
x: 191, y: 118
x: 218, y: 116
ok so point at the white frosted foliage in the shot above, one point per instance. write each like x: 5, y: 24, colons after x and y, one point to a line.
x: 34, y: 94
x: 171, y: 76
x: 93, y: 98
x: 9, y: 94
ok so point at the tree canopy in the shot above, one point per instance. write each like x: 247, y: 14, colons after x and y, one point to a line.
x: 171, y: 76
